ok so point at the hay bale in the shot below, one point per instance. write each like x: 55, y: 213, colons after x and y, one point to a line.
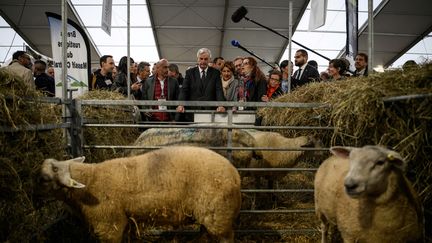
x: 22, y: 152
x: 107, y: 136
x: 361, y: 117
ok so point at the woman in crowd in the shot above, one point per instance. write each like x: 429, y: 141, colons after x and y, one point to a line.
x: 120, y: 81
x: 254, y: 81
x: 254, y: 85
x: 274, y: 89
x: 336, y: 69
x: 230, y: 84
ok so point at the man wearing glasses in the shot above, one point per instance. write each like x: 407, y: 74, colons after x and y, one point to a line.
x: 21, y: 66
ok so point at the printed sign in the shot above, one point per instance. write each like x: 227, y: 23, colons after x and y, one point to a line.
x: 78, y: 55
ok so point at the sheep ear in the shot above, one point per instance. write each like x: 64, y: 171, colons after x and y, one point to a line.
x: 67, y: 181
x: 64, y: 176
x: 76, y: 184
x: 78, y: 159
x: 396, y: 159
x: 340, y: 151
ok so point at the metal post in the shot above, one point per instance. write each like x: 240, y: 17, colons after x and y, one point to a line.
x: 77, y: 136
x: 64, y: 68
x: 64, y: 47
x: 289, y: 45
x: 128, y: 50
x: 371, y: 36
x: 229, y: 133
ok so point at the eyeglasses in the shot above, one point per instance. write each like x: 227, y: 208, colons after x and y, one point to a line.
x: 275, y: 79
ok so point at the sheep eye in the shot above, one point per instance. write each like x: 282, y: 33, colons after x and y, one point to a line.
x: 55, y: 169
x: 380, y: 162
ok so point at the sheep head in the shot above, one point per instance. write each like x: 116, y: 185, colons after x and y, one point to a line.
x: 369, y: 169
x: 56, y: 174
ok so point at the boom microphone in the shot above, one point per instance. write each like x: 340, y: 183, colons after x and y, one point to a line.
x: 236, y: 43
x: 239, y: 14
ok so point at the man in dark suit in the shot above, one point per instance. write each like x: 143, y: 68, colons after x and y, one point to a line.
x: 43, y: 81
x: 202, y: 83
x: 306, y: 73
x: 161, y: 87
x: 361, y: 65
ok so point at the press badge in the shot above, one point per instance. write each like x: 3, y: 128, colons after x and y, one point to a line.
x: 162, y: 107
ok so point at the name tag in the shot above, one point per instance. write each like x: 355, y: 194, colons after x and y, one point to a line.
x: 108, y: 81
x: 162, y: 107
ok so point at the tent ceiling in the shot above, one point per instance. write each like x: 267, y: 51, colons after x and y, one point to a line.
x: 28, y: 19
x: 182, y: 27
x: 398, y: 26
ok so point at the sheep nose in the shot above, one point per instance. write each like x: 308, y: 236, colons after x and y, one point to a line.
x: 350, y: 186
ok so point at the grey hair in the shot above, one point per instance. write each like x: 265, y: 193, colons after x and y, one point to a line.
x: 161, y: 61
x: 203, y: 50
x: 142, y: 65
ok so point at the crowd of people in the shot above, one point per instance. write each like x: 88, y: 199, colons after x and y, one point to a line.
x: 209, y: 80
x: 215, y: 80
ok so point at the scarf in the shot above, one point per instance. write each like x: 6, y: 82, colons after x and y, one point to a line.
x: 244, y: 91
x: 226, y: 84
x: 271, y: 90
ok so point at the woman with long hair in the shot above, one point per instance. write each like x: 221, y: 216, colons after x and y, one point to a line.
x: 120, y: 81
x: 254, y: 81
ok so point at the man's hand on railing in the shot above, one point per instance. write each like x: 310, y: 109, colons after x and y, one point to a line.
x: 220, y: 109
x: 180, y: 108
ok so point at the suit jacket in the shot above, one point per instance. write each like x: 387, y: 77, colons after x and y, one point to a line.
x: 309, y: 74
x: 149, y: 84
x: 196, y: 89
x: 257, y: 90
x: 173, y: 91
x: 357, y: 74
x: 45, y: 84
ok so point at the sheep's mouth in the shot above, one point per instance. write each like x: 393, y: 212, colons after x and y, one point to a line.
x: 353, y: 193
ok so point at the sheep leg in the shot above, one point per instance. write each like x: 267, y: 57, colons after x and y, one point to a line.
x: 258, y: 182
x: 270, y: 182
x: 110, y: 230
x: 271, y: 185
x: 324, y: 228
x: 227, y: 238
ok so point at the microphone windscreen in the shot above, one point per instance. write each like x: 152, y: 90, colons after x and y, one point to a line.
x: 235, y: 43
x: 239, y: 14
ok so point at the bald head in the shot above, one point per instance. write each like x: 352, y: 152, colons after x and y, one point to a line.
x: 162, y: 68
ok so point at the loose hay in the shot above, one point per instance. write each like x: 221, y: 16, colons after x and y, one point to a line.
x: 103, y: 135
x: 360, y: 117
x: 21, y: 217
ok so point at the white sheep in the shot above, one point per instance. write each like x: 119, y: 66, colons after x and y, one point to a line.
x: 166, y: 186
x: 280, y: 159
x: 365, y: 193
x: 200, y: 137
